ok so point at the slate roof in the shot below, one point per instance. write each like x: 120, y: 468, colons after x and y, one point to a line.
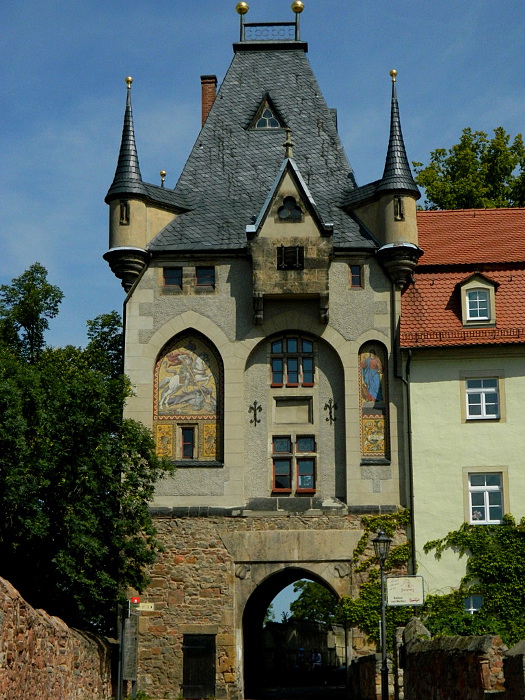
x: 232, y: 167
x: 456, y: 245
x: 397, y: 176
x: 128, y: 179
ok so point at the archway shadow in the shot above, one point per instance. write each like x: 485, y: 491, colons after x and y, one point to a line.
x: 282, y: 673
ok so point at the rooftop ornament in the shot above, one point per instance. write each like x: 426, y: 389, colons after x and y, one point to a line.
x: 270, y: 31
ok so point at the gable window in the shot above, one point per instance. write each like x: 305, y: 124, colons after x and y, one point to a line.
x: 293, y: 462
x: 205, y: 276
x: 478, y: 305
x: 173, y: 277
x: 485, y: 498
x: 292, y: 362
x: 290, y: 211
x: 482, y: 398
x: 290, y: 258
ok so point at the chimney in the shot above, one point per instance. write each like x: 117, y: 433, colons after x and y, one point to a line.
x: 209, y: 87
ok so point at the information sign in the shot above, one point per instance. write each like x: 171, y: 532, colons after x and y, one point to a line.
x: 405, y: 590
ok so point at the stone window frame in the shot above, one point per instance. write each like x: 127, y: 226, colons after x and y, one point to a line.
x: 285, y: 356
x: 499, y: 376
x: 504, y: 490
x: 293, y: 458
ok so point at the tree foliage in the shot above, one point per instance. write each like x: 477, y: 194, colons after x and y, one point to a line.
x: 477, y: 172
x: 26, y: 306
x: 75, y: 478
x: 495, y: 569
x: 314, y: 602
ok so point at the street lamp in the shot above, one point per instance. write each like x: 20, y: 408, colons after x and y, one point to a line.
x: 381, y: 548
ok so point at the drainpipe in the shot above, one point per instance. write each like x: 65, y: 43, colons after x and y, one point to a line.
x: 408, y: 418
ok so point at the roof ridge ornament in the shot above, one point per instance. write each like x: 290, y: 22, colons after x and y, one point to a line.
x: 288, y: 144
x: 260, y: 30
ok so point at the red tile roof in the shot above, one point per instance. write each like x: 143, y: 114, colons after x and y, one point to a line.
x: 456, y: 244
x: 471, y: 236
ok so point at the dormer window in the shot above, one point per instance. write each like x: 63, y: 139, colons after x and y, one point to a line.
x: 478, y: 304
x: 266, y: 116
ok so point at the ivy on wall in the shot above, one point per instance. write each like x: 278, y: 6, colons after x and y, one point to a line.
x: 495, y: 569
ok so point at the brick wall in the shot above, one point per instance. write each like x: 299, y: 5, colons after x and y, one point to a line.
x: 43, y: 659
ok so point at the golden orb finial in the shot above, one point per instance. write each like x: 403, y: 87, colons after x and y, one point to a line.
x: 129, y: 80
x: 297, y: 6
x: 393, y: 74
x: 242, y: 8
x: 162, y: 177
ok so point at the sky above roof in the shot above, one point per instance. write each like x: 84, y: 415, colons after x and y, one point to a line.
x: 63, y: 98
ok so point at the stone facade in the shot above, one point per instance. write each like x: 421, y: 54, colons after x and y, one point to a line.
x: 43, y: 659
x: 260, y: 342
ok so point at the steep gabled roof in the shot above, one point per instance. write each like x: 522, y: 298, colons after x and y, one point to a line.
x: 232, y: 167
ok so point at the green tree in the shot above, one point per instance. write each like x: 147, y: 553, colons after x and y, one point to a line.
x: 314, y: 602
x: 75, y: 480
x: 495, y: 569
x: 477, y: 172
x: 26, y: 306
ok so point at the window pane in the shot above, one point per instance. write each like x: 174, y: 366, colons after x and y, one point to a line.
x: 478, y: 303
x: 277, y: 347
x: 293, y: 370
x: 305, y: 466
x: 205, y: 276
x: 173, y: 276
x: 489, y: 384
x: 277, y: 370
x: 305, y: 481
x: 474, y: 404
x: 305, y: 474
x: 306, y: 443
x: 308, y: 370
x: 477, y: 479
x: 474, y: 383
x: 291, y: 345
x: 493, y: 480
x: 282, y: 466
x: 308, y: 346
x: 188, y: 438
x: 492, y: 405
x: 282, y: 444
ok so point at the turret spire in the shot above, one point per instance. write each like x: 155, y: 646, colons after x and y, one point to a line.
x: 397, y: 175
x: 128, y: 179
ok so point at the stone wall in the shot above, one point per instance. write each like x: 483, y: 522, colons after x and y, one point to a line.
x: 43, y: 659
x: 465, y: 668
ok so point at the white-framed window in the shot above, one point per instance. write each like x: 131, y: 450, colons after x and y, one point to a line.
x: 478, y: 305
x: 482, y: 398
x: 472, y: 604
x: 485, y: 498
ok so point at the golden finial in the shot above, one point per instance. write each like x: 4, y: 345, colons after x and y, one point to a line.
x: 162, y: 177
x: 129, y: 80
x: 242, y: 8
x: 393, y: 74
x: 297, y: 6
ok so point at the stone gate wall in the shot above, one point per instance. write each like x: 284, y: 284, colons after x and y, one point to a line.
x: 43, y: 659
x: 211, y: 565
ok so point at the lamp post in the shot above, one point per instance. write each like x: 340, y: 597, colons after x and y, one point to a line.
x: 381, y: 548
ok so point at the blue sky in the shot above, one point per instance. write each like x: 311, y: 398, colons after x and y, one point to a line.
x: 63, y: 92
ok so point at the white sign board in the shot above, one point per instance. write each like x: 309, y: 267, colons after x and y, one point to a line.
x: 405, y: 590
x: 143, y: 607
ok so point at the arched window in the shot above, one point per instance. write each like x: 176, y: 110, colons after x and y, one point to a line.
x: 373, y: 400
x: 292, y: 361
x: 187, y: 412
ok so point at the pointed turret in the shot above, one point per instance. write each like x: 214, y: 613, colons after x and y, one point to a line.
x: 127, y: 180
x: 397, y: 176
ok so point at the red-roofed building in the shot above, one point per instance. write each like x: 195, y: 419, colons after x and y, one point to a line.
x: 461, y: 335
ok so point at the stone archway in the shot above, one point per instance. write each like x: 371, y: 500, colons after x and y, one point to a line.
x: 266, y: 561
x: 252, y: 624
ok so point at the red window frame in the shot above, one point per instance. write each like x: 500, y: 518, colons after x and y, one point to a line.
x: 187, y: 439
x: 356, y: 281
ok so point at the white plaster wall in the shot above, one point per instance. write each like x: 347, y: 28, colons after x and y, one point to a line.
x: 444, y: 447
